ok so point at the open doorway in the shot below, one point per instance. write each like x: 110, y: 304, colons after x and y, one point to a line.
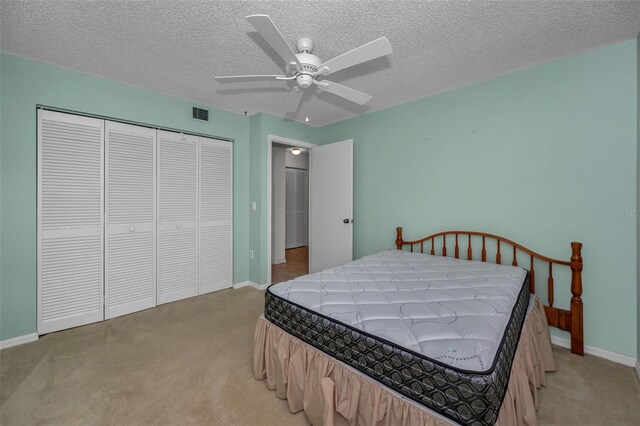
x: 329, y: 215
x: 289, y: 211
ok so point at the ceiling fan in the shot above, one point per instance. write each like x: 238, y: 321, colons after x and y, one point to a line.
x: 307, y: 69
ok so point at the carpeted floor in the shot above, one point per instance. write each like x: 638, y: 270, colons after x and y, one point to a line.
x: 189, y: 362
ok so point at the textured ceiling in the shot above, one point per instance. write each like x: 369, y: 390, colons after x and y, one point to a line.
x: 177, y: 47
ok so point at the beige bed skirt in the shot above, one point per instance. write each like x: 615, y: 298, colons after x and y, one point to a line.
x: 330, y: 393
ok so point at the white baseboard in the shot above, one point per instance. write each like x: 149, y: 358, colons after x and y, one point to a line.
x: 20, y: 340
x: 240, y: 285
x: 259, y: 286
x: 280, y: 261
x: 250, y: 284
x: 600, y: 353
x: 638, y: 369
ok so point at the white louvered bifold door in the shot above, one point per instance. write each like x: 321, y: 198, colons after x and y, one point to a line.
x: 215, y: 205
x: 70, y: 227
x: 130, y: 215
x: 177, y: 216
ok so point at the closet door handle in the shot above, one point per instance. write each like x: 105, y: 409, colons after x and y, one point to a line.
x: 132, y: 229
x: 178, y: 225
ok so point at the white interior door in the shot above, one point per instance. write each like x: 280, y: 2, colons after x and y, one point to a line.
x: 130, y: 249
x: 331, y: 205
x: 177, y: 216
x: 216, y: 213
x: 70, y: 224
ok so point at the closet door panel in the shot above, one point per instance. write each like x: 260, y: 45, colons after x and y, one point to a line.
x: 216, y: 213
x: 130, y: 275
x: 177, y: 264
x: 70, y: 224
x: 177, y: 216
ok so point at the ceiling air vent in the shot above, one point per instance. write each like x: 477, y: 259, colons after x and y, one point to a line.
x: 200, y: 114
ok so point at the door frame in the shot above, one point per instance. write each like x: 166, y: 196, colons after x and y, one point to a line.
x: 271, y: 139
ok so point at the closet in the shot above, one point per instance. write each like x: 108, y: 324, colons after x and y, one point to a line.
x: 296, y: 202
x: 129, y: 217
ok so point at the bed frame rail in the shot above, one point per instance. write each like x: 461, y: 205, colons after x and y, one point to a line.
x: 569, y: 320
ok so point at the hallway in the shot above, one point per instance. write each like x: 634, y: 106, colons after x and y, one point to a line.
x: 297, y: 264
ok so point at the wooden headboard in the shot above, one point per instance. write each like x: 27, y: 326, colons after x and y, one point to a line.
x: 569, y: 320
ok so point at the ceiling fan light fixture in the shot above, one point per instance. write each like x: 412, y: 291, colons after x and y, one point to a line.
x: 296, y: 151
x: 304, y: 80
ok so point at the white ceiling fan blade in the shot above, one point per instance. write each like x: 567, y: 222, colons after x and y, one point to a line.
x: 348, y: 93
x: 364, y: 53
x: 268, y: 30
x: 288, y: 104
x: 243, y: 78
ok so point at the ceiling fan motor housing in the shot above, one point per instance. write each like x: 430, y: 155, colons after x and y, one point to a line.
x: 308, y: 65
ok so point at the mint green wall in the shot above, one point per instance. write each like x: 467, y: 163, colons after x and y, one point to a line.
x: 543, y: 156
x: 263, y: 125
x: 256, y: 165
x: 26, y: 83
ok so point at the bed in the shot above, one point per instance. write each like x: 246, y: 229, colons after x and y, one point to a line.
x: 405, y: 337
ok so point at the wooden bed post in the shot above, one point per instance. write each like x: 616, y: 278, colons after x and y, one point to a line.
x: 577, y: 338
x: 399, y: 238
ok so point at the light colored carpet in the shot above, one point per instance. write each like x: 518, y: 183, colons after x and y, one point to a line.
x: 189, y: 362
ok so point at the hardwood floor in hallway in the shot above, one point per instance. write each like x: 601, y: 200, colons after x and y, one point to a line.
x: 297, y: 264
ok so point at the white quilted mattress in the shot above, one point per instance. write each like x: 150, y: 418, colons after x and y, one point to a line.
x: 450, y: 310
